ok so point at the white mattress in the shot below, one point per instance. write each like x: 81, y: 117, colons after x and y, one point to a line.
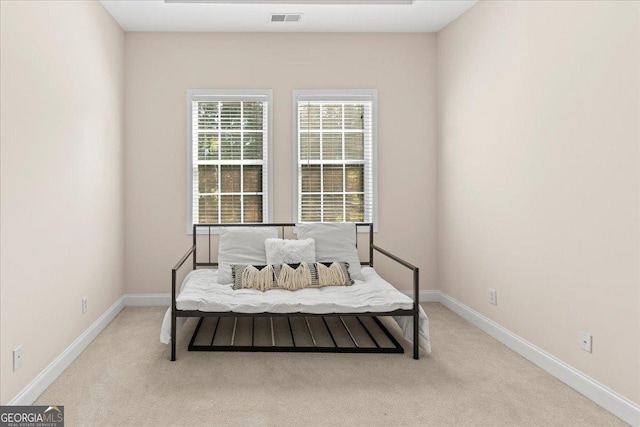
x: 200, y: 291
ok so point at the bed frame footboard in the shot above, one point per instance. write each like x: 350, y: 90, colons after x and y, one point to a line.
x: 416, y: 295
x: 395, y: 346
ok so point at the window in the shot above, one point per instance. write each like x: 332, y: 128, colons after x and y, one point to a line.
x: 335, y: 146
x: 229, y: 138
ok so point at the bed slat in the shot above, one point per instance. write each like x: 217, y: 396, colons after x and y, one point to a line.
x: 293, y: 339
x: 368, y: 332
x: 273, y: 338
x: 233, y: 335
x: 310, y: 333
x: 349, y: 332
x: 215, y: 331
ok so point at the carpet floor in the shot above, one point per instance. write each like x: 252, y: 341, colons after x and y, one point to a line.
x: 125, y: 378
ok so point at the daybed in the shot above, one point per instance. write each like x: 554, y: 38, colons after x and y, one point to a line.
x: 324, y: 319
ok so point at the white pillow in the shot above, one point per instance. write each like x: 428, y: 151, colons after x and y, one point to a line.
x: 281, y: 251
x: 335, y: 241
x: 241, y: 245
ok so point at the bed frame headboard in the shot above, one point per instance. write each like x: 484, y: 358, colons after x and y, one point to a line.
x: 206, y: 230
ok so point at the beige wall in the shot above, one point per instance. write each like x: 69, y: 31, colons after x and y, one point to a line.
x: 62, y: 112
x: 538, y: 178
x: 160, y: 67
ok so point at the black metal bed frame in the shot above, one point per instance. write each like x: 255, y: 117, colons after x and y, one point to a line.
x: 353, y: 347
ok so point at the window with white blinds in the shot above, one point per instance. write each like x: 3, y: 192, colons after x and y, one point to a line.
x: 229, y: 156
x: 335, y: 173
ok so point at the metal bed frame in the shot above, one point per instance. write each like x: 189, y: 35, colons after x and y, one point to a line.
x: 353, y: 346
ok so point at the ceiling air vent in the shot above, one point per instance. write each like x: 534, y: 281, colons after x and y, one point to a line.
x: 286, y: 17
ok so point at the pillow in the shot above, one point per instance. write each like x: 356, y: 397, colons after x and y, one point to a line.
x: 330, y: 274
x: 259, y: 277
x: 291, y: 276
x: 241, y: 245
x: 280, y: 251
x: 334, y: 241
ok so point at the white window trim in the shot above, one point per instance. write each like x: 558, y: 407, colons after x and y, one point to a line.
x: 231, y: 94
x: 337, y: 95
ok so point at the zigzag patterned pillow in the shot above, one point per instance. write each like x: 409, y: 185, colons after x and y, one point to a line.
x: 259, y: 277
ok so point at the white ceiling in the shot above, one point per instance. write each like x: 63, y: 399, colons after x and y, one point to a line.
x: 156, y: 15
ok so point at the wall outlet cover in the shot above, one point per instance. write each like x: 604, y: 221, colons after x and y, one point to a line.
x: 18, y: 358
x: 493, y: 296
x: 586, y: 341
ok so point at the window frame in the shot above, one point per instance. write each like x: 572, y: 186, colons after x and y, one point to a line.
x: 338, y: 95
x: 231, y: 95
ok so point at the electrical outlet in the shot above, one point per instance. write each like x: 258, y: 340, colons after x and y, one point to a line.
x: 585, y: 341
x: 85, y: 304
x: 18, y: 358
x: 493, y: 296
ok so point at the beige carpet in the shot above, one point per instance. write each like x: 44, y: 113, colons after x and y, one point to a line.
x: 125, y: 378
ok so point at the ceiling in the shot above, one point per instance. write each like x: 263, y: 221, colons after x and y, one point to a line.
x: 254, y: 15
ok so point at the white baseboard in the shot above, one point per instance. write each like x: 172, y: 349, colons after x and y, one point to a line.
x: 40, y: 383
x: 147, y: 300
x: 599, y: 393
x: 424, y: 296
x: 35, y: 388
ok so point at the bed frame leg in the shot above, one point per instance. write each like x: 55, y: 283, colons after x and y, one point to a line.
x: 173, y: 338
x: 416, y: 336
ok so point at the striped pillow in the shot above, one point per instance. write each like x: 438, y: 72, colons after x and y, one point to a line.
x: 291, y: 276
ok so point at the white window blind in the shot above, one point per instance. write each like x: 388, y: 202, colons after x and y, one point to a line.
x: 229, y: 157
x: 335, y: 156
